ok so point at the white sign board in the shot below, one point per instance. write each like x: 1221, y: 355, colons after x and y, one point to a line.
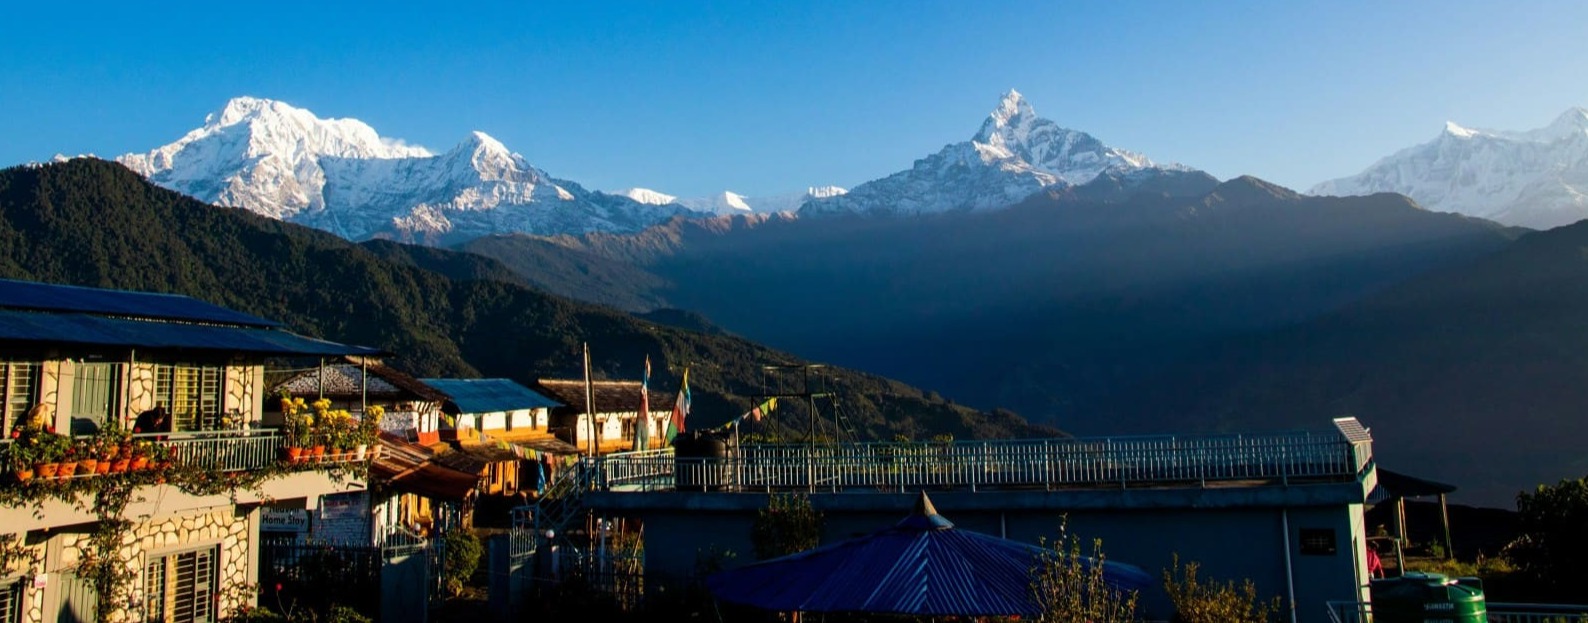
x: 284, y: 520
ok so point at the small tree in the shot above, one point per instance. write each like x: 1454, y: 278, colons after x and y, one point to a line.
x: 1199, y: 602
x: 787, y: 525
x: 1553, y: 543
x: 1068, y: 587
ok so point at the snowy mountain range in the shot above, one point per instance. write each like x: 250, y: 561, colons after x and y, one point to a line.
x: 341, y: 176
x: 1537, y: 178
x: 729, y: 202
x: 1015, y: 154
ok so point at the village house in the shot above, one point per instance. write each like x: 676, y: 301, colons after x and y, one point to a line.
x: 616, y: 414
x: 101, y: 364
x: 499, y: 430
x: 412, y: 408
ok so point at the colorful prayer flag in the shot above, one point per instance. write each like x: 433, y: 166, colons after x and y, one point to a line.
x: 675, y: 424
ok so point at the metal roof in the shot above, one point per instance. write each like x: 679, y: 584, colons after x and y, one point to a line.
x: 922, y: 566
x: 49, y: 297
x: 412, y: 468
x: 610, y: 396
x: 349, y: 379
x: 1393, y: 485
x: 487, y: 395
x: 96, y: 330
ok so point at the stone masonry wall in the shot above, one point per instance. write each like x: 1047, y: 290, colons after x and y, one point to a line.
x: 222, y: 528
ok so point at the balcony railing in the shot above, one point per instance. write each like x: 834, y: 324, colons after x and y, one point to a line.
x: 973, y: 465
x: 216, y: 451
x: 222, y: 451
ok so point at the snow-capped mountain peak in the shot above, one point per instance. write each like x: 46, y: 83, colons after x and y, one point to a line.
x: 1014, y: 154
x: 729, y: 202
x: 1010, y: 123
x: 1452, y: 129
x: 647, y: 196
x: 342, y: 176
x: 1536, y: 178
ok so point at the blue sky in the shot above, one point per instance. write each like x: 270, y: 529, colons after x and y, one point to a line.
x: 766, y: 97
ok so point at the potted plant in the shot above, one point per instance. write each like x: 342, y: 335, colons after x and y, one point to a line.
x: 140, y: 455
x: 87, y: 453
x: 21, y: 454
x: 51, y: 450
x: 368, y: 431
x: 298, y: 424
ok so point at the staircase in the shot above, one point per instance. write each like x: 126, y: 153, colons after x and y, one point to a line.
x: 561, y: 509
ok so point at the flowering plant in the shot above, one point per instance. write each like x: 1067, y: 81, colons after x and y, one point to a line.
x: 369, y: 425
x: 299, y: 423
x: 34, y: 440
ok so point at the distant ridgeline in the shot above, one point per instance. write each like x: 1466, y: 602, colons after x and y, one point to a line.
x: 95, y: 223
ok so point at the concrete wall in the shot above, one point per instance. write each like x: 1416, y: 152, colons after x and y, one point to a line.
x: 1235, y: 534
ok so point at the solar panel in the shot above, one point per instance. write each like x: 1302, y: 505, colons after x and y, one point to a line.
x: 1352, y: 429
x: 35, y: 296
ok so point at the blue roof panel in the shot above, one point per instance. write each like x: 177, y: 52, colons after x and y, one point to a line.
x: 35, y: 296
x: 487, y: 395
x: 75, y: 328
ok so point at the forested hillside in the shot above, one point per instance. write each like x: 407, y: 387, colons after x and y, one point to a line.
x: 94, y: 223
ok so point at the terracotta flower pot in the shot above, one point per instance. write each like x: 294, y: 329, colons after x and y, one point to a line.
x: 66, y: 470
x: 120, y: 465
x: 138, y: 463
x: 103, y: 467
x: 47, y: 470
x: 87, y: 467
x: 293, y: 453
x: 24, y: 475
x: 319, y: 451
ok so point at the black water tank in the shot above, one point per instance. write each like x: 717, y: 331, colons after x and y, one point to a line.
x: 700, y: 462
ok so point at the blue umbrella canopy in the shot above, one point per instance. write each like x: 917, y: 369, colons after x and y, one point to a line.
x: 921, y: 566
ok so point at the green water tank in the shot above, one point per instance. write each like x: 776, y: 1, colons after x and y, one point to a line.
x: 1418, y: 597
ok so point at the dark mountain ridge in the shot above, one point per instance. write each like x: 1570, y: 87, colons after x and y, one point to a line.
x: 1048, y: 307
x: 1471, y: 374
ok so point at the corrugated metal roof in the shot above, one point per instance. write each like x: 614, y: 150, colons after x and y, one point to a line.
x: 411, y: 468
x: 487, y: 395
x: 76, y: 328
x: 32, y: 295
x: 921, y: 567
x: 610, y: 396
x: 347, y: 379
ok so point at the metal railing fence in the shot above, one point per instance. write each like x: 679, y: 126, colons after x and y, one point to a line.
x: 1044, y: 463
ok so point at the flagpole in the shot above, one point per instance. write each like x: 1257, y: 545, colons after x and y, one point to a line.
x: 589, y: 400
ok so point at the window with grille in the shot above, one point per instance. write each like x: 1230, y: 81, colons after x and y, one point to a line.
x: 18, y: 389
x: 191, y: 394
x: 180, y: 588
x: 11, y: 601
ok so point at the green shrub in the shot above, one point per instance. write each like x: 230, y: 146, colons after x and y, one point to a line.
x: 462, y: 557
x: 787, y: 525
x: 1196, y: 601
x: 1067, y: 587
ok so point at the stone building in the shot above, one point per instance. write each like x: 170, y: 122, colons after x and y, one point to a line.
x: 94, y: 360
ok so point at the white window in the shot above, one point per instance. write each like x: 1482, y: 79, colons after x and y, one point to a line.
x: 19, y: 389
x: 191, y: 394
x: 11, y: 601
x: 180, y: 588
